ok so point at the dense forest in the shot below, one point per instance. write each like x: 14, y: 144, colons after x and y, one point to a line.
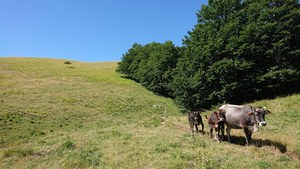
x: 237, y: 52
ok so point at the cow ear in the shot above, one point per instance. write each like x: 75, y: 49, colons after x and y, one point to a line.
x: 251, y: 113
x: 267, y: 111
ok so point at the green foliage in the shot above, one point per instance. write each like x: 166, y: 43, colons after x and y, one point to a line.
x: 67, y: 145
x: 239, y: 51
x: 151, y: 65
x: 264, y: 164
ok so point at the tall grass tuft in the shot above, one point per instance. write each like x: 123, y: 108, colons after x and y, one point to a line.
x: 19, y: 152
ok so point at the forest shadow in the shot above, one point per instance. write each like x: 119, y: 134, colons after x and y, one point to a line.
x: 240, y: 140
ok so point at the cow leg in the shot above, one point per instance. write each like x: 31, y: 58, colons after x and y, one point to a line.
x: 221, y: 127
x: 217, y: 133
x: 228, y: 133
x: 248, y: 135
x: 210, y: 131
x: 202, y: 125
x: 196, y: 128
x: 192, y: 128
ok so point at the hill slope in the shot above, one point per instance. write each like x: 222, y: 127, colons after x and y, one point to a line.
x: 84, y: 115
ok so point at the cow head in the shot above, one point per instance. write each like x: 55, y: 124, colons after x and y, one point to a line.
x: 259, y: 113
x: 221, y: 116
x: 196, y: 118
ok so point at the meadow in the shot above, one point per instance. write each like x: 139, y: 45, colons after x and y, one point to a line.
x: 85, y: 115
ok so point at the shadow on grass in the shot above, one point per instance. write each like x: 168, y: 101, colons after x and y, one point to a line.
x: 240, y: 140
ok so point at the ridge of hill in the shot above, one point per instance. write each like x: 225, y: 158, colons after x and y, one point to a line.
x: 85, y: 115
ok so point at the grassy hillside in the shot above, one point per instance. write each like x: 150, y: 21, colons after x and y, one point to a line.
x: 84, y: 115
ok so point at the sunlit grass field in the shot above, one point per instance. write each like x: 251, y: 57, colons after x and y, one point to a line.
x: 85, y: 115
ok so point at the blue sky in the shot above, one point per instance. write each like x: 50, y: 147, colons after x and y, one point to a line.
x: 91, y: 30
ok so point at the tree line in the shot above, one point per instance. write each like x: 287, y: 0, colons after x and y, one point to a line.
x: 239, y: 50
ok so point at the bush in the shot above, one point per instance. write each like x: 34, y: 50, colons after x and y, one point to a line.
x: 68, y: 62
x: 67, y: 145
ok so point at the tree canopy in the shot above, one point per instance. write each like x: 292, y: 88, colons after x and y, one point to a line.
x: 238, y: 51
x: 151, y: 65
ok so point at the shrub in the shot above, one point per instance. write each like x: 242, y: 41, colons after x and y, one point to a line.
x: 68, y: 62
x: 67, y: 145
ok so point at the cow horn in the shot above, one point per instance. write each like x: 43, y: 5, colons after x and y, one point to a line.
x: 264, y: 107
x: 251, y: 113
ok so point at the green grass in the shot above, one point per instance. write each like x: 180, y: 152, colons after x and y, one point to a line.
x: 84, y: 115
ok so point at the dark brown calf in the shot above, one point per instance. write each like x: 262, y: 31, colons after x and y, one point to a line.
x: 195, y: 119
x: 216, y: 122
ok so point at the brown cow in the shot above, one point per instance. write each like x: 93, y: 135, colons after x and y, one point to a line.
x: 195, y: 119
x: 216, y: 121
